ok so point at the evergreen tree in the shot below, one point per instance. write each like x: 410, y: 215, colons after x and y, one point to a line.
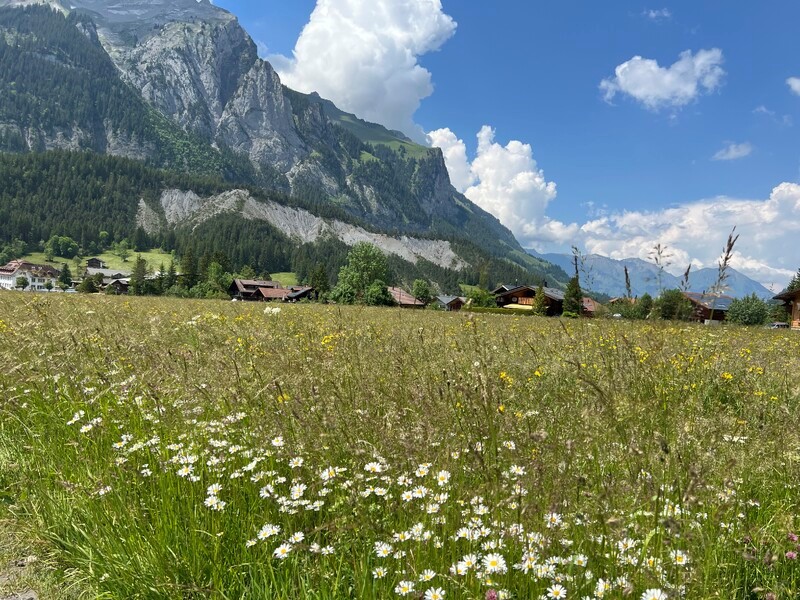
x: 573, y: 298
x: 171, y: 278
x: 539, y: 305
x: 319, y: 281
x: 794, y: 284
x: 189, y: 269
x: 65, y: 277
x: 138, y: 279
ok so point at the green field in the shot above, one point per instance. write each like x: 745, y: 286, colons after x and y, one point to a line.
x: 285, y: 279
x: 153, y: 257
x: 163, y: 448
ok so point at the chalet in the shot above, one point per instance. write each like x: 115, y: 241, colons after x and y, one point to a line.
x: 96, y: 263
x: 291, y: 294
x: 405, y: 300
x: 590, y: 307
x: 248, y: 289
x: 521, y: 297
x: 708, y: 307
x: 38, y: 276
x: 108, y: 275
x: 451, y: 303
x: 120, y: 286
x: 791, y: 301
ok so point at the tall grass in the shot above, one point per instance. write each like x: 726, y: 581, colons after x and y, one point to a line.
x: 467, y: 454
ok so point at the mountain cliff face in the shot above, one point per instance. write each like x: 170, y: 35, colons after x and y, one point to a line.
x: 207, y: 103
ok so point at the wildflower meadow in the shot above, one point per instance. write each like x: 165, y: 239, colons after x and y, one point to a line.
x: 158, y: 448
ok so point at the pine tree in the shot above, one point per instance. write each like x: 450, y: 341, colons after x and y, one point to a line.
x: 794, y: 284
x: 189, y: 268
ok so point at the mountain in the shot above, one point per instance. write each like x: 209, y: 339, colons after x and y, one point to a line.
x: 178, y: 85
x: 607, y: 276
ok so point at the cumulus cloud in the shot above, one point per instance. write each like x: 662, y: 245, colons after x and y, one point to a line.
x: 734, y: 151
x: 362, y: 55
x: 505, y: 181
x: 658, y: 87
x: 696, y: 232
x: 794, y: 84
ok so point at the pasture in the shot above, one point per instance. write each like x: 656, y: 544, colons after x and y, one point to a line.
x: 162, y: 448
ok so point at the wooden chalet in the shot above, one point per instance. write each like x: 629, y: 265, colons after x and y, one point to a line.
x: 291, y: 294
x: 96, y: 263
x: 708, y: 307
x: 521, y: 297
x: 451, y: 303
x: 109, y: 275
x: 405, y: 300
x: 791, y: 300
x: 248, y: 289
x: 590, y: 307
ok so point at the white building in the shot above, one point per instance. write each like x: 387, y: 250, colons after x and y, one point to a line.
x: 37, y: 275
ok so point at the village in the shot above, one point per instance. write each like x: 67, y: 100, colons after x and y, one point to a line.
x: 705, y: 307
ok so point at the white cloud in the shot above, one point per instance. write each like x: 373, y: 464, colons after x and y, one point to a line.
x: 734, y: 151
x: 505, y: 181
x: 362, y: 55
x: 658, y: 14
x: 794, y: 84
x: 696, y: 232
x: 666, y: 87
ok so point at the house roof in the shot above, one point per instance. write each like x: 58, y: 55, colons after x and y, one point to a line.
x: 251, y: 285
x: 788, y: 296
x: 447, y: 300
x: 710, y: 301
x: 552, y: 293
x: 298, y: 292
x: 403, y: 298
x: 273, y: 293
x: 15, y: 266
x: 110, y: 273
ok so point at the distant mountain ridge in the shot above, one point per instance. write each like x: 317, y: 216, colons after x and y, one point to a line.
x: 607, y: 276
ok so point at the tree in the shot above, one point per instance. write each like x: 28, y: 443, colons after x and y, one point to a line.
x: 539, y: 306
x: 65, y: 277
x: 218, y: 279
x: 794, y: 284
x: 750, y: 310
x: 644, y: 306
x: 171, y: 278
x: 377, y: 294
x: 319, y: 281
x: 87, y: 286
x: 189, y: 268
x: 673, y: 305
x: 122, y: 249
x: 481, y: 298
x: 421, y: 290
x: 573, y: 298
x: 139, y: 277
x: 22, y: 282
x: 366, y: 265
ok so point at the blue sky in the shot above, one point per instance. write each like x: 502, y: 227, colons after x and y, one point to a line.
x: 566, y: 159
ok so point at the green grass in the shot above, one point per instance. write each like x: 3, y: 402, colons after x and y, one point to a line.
x: 285, y: 279
x: 617, y: 444
x: 153, y: 257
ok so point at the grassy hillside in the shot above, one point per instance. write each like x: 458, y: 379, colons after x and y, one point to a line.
x: 201, y: 449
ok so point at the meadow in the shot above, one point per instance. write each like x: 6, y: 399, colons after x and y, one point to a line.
x: 162, y: 448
